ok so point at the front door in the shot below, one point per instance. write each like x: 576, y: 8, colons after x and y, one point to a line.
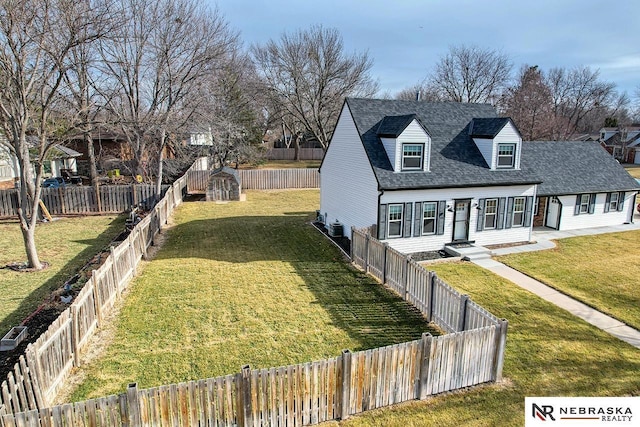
x: 553, y: 212
x: 461, y: 221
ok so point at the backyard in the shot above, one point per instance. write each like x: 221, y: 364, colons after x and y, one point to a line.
x: 66, y: 245
x: 245, y: 283
x: 252, y: 282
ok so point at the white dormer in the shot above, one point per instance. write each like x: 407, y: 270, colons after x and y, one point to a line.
x: 499, y: 141
x: 406, y: 142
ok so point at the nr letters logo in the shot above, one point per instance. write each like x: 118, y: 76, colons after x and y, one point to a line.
x: 544, y: 412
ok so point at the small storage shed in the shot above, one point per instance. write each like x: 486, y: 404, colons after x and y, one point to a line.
x: 224, y: 184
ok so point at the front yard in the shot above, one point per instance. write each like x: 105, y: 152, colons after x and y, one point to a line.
x: 549, y: 353
x: 601, y: 271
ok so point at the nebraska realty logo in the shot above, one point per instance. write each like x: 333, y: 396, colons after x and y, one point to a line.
x: 582, y: 411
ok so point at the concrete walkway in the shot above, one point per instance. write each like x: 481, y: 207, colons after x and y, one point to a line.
x: 543, y: 241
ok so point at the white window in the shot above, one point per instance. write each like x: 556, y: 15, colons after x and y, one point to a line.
x: 429, y: 217
x: 518, y: 211
x: 506, y: 155
x: 490, y: 214
x: 584, y: 203
x: 395, y: 221
x: 613, y: 202
x: 412, y: 156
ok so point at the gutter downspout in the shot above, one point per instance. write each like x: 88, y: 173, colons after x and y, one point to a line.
x: 380, y: 193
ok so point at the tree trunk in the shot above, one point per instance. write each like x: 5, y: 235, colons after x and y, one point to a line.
x: 28, y: 198
x: 163, y: 138
x: 29, y: 238
x: 93, y: 167
x: 296, y: 148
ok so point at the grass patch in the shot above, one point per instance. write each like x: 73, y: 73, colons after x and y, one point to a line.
x: 245, y: 283
x: 66, y: 244
x: 633, y: 171
x: 601, y: 271
x: 549, y: 353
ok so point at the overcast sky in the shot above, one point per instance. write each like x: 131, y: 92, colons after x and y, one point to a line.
x: 406, y: 38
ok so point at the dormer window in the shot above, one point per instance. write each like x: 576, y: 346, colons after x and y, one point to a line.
x: 506, y: 155
x: 412, y: 156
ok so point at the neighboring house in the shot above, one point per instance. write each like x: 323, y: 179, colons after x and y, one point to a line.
x: 622, y: 143
x: 424, y: 175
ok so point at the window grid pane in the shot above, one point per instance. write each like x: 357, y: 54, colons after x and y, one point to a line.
x: 429, y: 218
x: 506, y: 154
x: 584, y: 203
x: 412, y: 156
x: 490, y: 213
x: 613, y: 204
x: 518, y: 211
x: 395, y: 220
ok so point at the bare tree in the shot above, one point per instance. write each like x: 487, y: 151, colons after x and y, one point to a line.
x: 470, y: 74
x: 528, y: 103
x: 309, y: 75
x: 156, y: 61
x: 576, y: 94
x: 36, y: 37
x: 419, y: 92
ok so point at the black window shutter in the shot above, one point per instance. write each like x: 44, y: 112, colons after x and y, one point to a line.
x: 408, y: 210
x: 442, y: 206
x: 592, y: 203
x: 509, y: 213
x: 576, y: 211
x: 417, y: 220
x: 502, y: 201
x: 480, y: 223
x: 607, y: 203
x: 528, y: 211
x: 382, y: 222
x: 621, y: 201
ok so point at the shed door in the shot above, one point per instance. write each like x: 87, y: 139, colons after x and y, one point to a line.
x: 461, y: 221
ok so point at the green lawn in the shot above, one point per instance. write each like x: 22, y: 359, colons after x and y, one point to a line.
x: 66, y: 244
x: 245, y: 283
x: 549, y: 353
x: 601, y: 271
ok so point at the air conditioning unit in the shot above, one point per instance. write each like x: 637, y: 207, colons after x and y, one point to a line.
x: 335, y: 229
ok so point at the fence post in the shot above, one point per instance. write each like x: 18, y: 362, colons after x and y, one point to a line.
x: 462, y: 315
x: 500, y: 344
x: 405, y: 282
x: 75, y: 335
x: 96, y: 297
x: 366, y: 252
x: 63, y: 208
x: 432, y: 294
x: 346, y: 385
x: 423, y: 367
x: 36, y: 375
x: 133, y: 405
x: 243, y: 397
x: 385, y: 249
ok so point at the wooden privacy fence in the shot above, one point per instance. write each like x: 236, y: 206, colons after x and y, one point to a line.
x: 290, y: 154
x: 43, y: 368
x: 84, y: 199
x: 295, y: 395
x: 259, y: 179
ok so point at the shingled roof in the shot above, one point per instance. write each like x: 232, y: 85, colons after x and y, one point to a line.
x: 487, y: 127
x: 455, y: 159
x: 575, y: 167
x: 392, y: 126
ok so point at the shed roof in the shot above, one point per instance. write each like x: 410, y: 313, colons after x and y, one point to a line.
x: 226, y: 170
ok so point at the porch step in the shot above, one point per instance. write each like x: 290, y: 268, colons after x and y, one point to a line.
x: 468, y: 252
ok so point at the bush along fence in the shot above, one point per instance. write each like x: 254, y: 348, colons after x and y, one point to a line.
x: 45, y: 365
x: 471, y: 353
x: 259, y: 179
x: 82, y: 200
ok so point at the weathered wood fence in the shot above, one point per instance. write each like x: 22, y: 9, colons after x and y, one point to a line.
x: 84, y: 199
x: 43, y: 368
x: 259, y: 179
x: 304, y: 394
x: 290, y: 154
